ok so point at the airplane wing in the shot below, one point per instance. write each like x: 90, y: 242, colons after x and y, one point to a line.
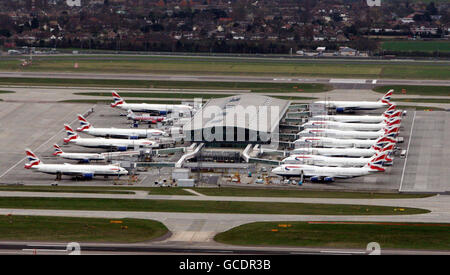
x: 83, y: 173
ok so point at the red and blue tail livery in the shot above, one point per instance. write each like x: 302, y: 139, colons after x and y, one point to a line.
x: 84, y: 124
x: 32, y: 158
x: 57, y: 150
x: 71, y: 135
x: 117, y: 99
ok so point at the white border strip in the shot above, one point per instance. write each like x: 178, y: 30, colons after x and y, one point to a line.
x: 407, y: 152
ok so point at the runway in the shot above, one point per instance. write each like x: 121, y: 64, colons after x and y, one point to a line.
x: 34, y: 248
x: 339, y: 83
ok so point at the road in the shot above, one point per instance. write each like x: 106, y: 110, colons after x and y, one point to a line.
x: 202, y: 227
x: 344, y: 83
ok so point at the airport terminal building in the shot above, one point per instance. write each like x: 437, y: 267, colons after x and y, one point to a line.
x: 237, y: 121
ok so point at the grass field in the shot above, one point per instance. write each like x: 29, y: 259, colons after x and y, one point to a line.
x: 416, y: 90
x: 202, y: 206
x: 255, y: 87
x: 64, y: 229
x: 388, y: 235
x: 228, y: 66
x: 416, y: 46
x: 228, y: 191
x: 260, y: 192
x: 6, y: 92
x: 96, y: 189
x: 423, y: 100
x: 203, y: 96
x: 420, y: 108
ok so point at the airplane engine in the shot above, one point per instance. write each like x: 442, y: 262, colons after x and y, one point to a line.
x: 122, y: 148
x: 328, y: 179
x: 88, y: 176
x: 134, y: 137
x: 84, y: 161
x: 340, y: 110
x: 315, y: 179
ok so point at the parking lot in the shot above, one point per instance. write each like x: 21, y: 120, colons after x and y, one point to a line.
x: 39, y: 125
x: 427, y: 162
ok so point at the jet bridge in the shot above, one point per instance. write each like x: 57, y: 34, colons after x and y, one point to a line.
x: 191, y: 152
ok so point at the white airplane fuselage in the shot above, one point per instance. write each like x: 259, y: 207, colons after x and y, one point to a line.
x: 294, y: 170
x: 155, y: 108
x: 82, y: 156
x: 342, y: 106
x: 75, y: 170
x: 349, y: 119
x: 120, y: 144
x: 336, y: 152
x: 124, y: 133
x: 330, y: 142
x: 345, y: 126
x: 343, y: 134
x: 318, y: 160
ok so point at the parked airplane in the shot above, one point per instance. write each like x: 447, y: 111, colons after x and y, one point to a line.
x: 144, y: 117
x: 81, y: 157
x: 390, y: 113
x: 160, y: 109
x: 318, y: 160
x: 131, y: 133
x: 390, y: 132
x: 85, y: 171
x: 328, y: 124
x: 330, y: 142
x: 344, y: 106
x: 325, y: 173
x: 344, y: 152
x: 110, y: 143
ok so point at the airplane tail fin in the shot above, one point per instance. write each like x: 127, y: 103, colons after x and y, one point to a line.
x: 117, y: 99
x: 394, y: 122
x: 390, y: 110
x: 378, y: 158
x: 392, y: 131
x: 32, y: 158
x: 373, y: 164
x: 387, y: 97
x: 84, y: 124
x: 57, y: 150
x: 71, y: 135
x: 382, y: 141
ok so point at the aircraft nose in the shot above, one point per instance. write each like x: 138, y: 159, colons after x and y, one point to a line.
x: 276, y: 169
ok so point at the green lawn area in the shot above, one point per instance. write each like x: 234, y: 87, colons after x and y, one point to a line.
x: 96, y: 189
x: 416, y: 46
x: 229, y: 66
x: 260, y: 192
x: 179, y: 95
x: 388, y: 235
x: 422, y: 100
x: 6, y: 92
x: 202, y: 206
x: 416, y: 90
x: 65, y: 229
x: 255, y: 87
x: 420, y: 108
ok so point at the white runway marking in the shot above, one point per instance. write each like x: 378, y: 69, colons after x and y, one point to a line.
x: 351, y: 81
x: 407, y: 152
